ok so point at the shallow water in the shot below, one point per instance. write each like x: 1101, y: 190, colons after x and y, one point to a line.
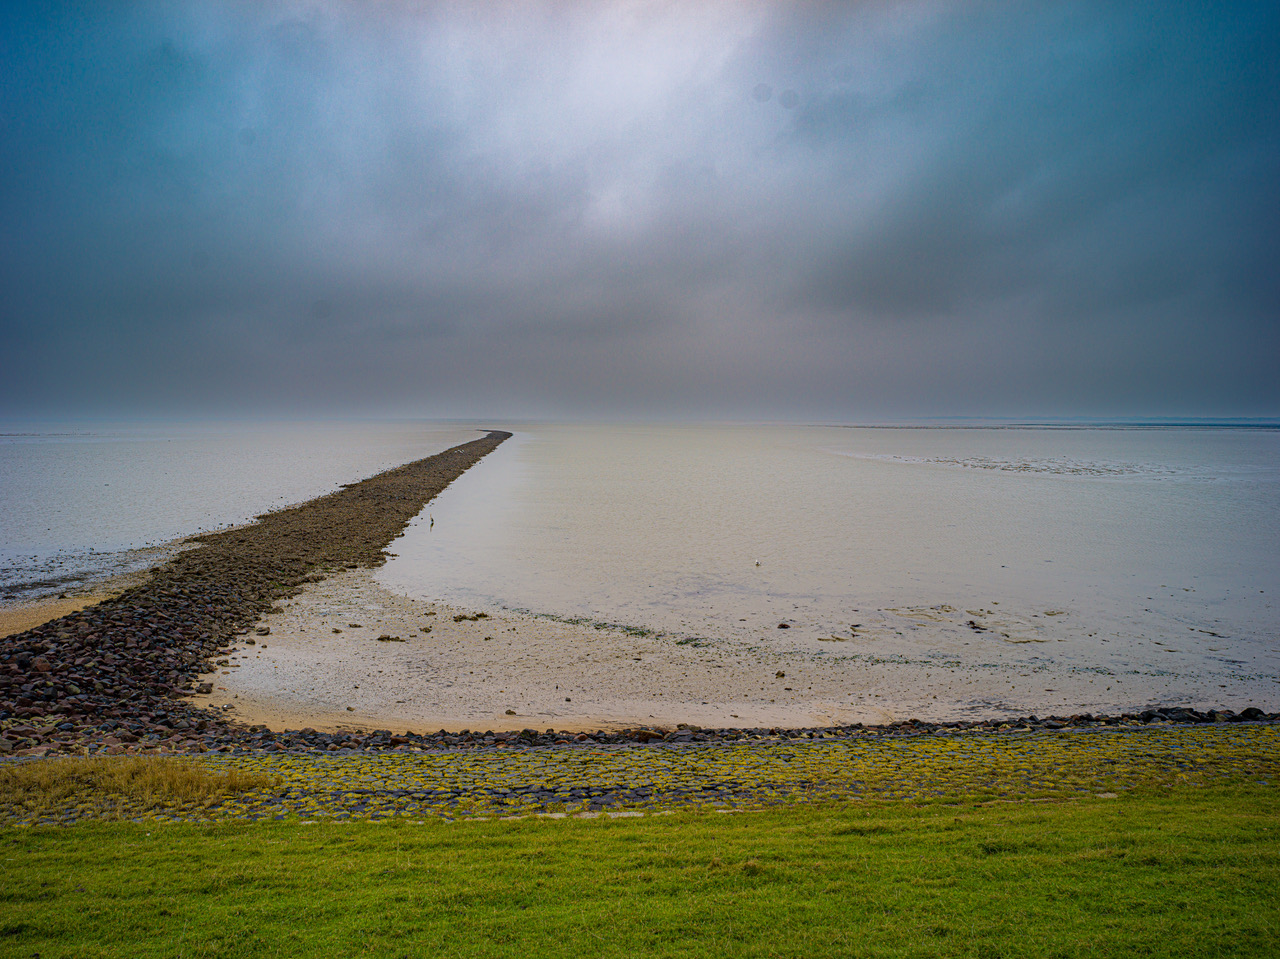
x: 81, y: 503
x: 1151, y: 551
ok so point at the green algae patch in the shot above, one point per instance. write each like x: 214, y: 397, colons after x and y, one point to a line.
x: 1008, y: 766
x: 1189, y: 872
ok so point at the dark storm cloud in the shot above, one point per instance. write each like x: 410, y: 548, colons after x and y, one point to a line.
x: 832, y: 210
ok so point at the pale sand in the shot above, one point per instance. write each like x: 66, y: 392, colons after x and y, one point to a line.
x: 467, y: 674
x: 20, y: 617
x: 25, y: 616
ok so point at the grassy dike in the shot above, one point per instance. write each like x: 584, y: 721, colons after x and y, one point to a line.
x: 1190, y: 872
x: 1145, y: 841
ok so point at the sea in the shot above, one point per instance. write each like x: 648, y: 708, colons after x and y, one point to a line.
x: 81, y: 504
x: 1151, y: 548
x: 1151, y: 552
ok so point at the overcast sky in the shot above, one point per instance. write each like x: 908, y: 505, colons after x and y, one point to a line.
x: 850, y: 211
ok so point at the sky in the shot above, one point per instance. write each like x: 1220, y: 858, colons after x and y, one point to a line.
x: 853, y: 212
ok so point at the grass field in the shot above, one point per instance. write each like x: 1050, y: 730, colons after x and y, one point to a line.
x: 1190, y: 872
x: 1103, y: 842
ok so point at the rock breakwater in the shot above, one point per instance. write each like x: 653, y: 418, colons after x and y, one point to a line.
x: 112, y: 675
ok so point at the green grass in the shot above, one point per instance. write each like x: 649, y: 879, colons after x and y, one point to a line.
x: 1181, y: 871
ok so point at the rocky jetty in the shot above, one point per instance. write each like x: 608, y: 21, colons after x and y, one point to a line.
x: 114, y: 674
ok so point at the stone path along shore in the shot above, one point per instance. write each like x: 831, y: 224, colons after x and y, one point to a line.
x: 1071, y: 763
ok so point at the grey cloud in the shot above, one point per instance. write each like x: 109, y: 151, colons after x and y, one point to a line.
x: 1116, y: 140
x: 594, y: 208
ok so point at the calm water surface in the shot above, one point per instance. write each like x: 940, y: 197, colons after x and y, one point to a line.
x: 1096, y: 546
x: 80, y: 503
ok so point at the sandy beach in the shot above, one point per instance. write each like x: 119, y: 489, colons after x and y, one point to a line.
x: 20, y: 617
x: 349, y: 654
x: 24, y: 616
x: 346, y: 653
